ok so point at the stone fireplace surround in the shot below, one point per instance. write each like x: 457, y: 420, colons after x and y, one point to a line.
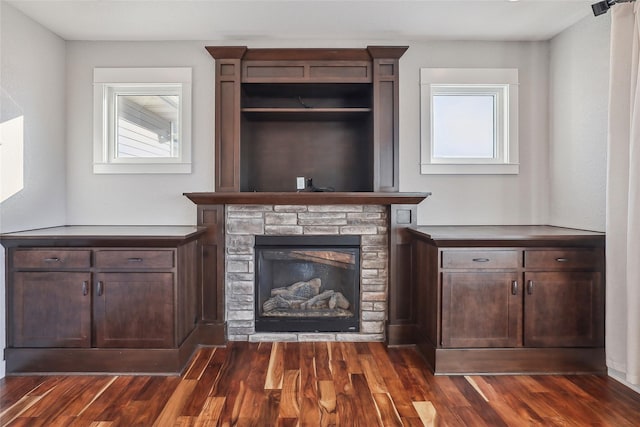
x: 232, y: 219
x: 244, y: 222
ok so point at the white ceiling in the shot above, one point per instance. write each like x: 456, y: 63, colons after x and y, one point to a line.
x: 264, y: 20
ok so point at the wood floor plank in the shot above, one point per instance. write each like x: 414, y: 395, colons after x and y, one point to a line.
x: 251, y: 407
x: 341, y: 377
x: 233, y: 376
x: 451, y: 392
x: 199, y: 363
x: 345, y: 410
x: 12, y: 389
x: 308, y: 376
x: 322, y: 361
x: 275, y: 371
x: 484, y: 388
x: 604, y: 389
x: 335, y: 350
x: 327, y: 403
x: 210, y: 412
x: 104, y: 398
x: 18, y: 408
x: 365, y: 407
x: 414, y: 387
x: 478, y: 402
x: 315, y: 384
x: 292, y: 356
x: 118, y: 406
x: 372, y: 373
x: 389, y: 415
x: 290, y: 403
x: 309, y: 412
x: 65, y: 399
x: 351, y: 357
x: 175, y: 404
x: 151, y: 399
x: 205, y: 384
x: 510, y: 401
x: 427, y: 413
x: 270, y: 407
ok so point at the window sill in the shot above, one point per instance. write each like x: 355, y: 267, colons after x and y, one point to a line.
x: 467, y: 169
x: 129, y: 168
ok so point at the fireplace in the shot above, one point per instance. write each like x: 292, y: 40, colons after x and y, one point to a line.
x: 307, y: 283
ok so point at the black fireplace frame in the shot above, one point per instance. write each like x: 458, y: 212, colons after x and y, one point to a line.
x: 309, y: 324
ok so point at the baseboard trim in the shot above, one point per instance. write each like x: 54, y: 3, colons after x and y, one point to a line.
x: 171, y: 361
x: 517, y: 361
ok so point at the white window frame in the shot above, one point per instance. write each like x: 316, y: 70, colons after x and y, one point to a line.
x: 111, y: 82
x: 502, y: 84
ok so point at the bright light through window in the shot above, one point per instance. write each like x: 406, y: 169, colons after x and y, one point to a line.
x: 469, y: 121
x: 11, y: 157
x: 463, y: 126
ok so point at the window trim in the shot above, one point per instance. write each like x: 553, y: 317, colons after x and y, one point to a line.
x: 502, y: 82
x: 108, y: 83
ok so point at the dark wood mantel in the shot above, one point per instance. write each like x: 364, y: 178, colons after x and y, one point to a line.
x: 306, y: 198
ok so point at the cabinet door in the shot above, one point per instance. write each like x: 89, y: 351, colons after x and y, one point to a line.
x: 51, y: 309
x: 564, y: 309
x: 481, y: 309
x: 134, y: 310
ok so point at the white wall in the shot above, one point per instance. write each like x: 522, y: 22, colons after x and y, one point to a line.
x: 32, y: 79
x: 135, y: 199
x: 140, y: 199
x: 480, y: 199
x: 579, y: 105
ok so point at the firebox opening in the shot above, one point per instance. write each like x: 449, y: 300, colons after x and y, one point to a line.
x: 307, y: 283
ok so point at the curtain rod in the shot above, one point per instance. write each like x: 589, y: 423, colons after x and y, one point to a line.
x: 603, y: 6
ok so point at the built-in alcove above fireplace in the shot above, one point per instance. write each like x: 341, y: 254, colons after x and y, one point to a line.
x: 326, y: 114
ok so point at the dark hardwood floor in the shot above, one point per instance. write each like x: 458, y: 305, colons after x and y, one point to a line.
x: 314, y: 384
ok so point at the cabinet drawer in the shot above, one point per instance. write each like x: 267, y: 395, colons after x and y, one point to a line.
x: 562, y: 259
x: 134, y: 259
x: 51, y: 259
x: 480, y: 259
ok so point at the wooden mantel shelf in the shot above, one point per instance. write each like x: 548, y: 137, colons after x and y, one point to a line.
x: 306, y: 198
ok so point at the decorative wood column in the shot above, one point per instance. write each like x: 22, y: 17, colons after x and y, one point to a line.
x: 385, y: 116
x: 211, y: 300
x: 227, y: 115
x: 401, y: 321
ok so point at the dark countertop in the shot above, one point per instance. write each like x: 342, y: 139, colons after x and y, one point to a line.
x: 107, y: 235
x: 491, y: 235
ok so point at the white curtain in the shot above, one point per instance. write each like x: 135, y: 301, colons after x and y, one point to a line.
x: 623, y: 195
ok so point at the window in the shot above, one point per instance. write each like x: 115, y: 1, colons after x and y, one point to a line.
x: 469, y: 121
x: 142, y: 120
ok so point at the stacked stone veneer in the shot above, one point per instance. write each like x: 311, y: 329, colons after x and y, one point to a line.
x: 244, y: 222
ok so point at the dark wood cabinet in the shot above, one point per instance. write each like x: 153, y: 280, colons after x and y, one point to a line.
x: 74, y: 294
x: 509, y: 299
x: 563, y: 309
x: 51, y: 309
x: 480, y: 309
x: 326, y: 114
x: 134, y: 310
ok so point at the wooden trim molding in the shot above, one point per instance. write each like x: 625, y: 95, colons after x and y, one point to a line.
x: 305, y: 198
